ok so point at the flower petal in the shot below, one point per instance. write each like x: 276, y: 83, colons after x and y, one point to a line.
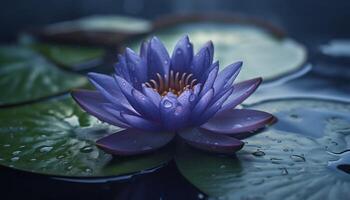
x: 226, y: 77
x: 182, y: 55
x: 214, y: 107
x: 137, y: 100
x: 202, y: 105
x: 133, y: 142
x: 91, y: 102
x: 110, y: 90
x: 241, y: 91
x: 158, y: 60
x: 152, y: 95
x: 121, y: 68
x: 238, y: 122
x: 140, y: 123
x: 174, y: 115
x: 137, y: 68
x: 211, y: 142
x: 208, y: 84
x: 202, y: 60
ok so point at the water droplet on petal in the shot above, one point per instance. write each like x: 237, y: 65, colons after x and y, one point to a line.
x: 179, y: 51
x: 166, y: 62
x: 192, y: 98
x: 200, y: 196
x: 16, y: 153
x: 167, y: 104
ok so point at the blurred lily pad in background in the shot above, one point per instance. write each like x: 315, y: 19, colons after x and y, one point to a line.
x: 102, y: 30
x: 27, y: 76
x: 57, y: 138
x: 303, y: 156
x: 262, y: 53
x: 70, y: 56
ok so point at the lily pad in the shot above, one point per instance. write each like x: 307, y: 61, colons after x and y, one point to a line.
x: 263, y: 54
x: 26, y: 76
x: 69, y: 56
x: 304, y: 156
x: 57, y: 138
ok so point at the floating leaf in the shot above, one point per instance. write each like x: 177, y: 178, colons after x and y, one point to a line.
x: 57, y: 138
x: 262, y: 53
x: 26, y: 76
x: 70, y: 56
x: 304, y: 156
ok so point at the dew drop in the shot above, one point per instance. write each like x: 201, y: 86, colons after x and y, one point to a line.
x: 284, y: 171
x: 188, y: 45
x: 297, y: 158
x: 222, y: 166
x: 258, y: 153
x: 237, y: 125
x: 167, y: 104
x: 88, y: 170
x: 69, y: 168
x: 178, y: 52
x: 6, y: 145
x: 45, y: 149
x: 14, y: 159
x: 166, y: 62
x: 192, y: 98
x: 15, y: 153
x: 200, y: 196
x: 32, y: 160
x: 60, y: 156
x: 86, y: 149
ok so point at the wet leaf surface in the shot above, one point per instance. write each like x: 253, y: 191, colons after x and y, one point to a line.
x: 57, y: 138
x: 304, y: 156
x: 262, y: 53
x: 26, y: 76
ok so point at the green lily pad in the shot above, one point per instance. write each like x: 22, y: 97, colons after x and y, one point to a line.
x: 262, y: 53
x: 26, y: 76
x: 57, y: 138
x: 304, y: 156
x: 70, y: 56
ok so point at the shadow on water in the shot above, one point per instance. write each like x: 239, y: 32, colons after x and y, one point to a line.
x: 165, y: 183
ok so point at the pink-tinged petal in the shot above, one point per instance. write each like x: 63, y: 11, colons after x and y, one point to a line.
x: 226, y: 77
x: 241, y: 91
x: 238, y: 122
x: 140, y: 123
x: 92, y: 102
x: 211, y: 142
x: 134, y: 142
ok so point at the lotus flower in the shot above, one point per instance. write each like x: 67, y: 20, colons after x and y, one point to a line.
x: 155, y: 97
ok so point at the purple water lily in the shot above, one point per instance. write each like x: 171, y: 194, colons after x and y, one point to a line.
x: 155, y: 96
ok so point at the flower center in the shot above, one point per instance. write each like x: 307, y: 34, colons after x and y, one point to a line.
x: 175, y: 83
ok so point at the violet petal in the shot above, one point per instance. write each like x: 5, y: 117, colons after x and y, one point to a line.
x: 238, y: 122
x: 226, y: 77
x: 203, y: 59
x: 182, y: 55
x: 241, y: 91
x: 137, y: 68
x: 208, y: 84
x: 140, y: 123
x: 158, y: 60
x: 91, y: 102
x: 211, y: 142
x: 134, y: 142
x: 202, y: 104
